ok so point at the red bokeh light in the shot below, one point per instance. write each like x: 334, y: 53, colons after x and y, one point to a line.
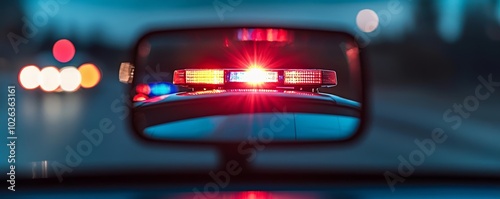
x: 143, y: 89
x: 63, y: 50
x: 140, y: 97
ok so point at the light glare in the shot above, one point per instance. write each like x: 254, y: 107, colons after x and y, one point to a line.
x: 259, y: 75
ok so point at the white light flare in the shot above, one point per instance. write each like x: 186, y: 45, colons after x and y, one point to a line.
x: 49, y: 79
x: 70, y: 79
x: 28, y: 77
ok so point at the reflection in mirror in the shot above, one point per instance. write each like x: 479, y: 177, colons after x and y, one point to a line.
x: 231, y: 84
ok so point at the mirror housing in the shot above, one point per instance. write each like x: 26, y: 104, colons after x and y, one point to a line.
x: 197, y: 103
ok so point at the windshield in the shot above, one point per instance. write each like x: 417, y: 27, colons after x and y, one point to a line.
x: 433, y: 79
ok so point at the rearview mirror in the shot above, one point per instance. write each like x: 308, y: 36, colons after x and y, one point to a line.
x: 227, y: 85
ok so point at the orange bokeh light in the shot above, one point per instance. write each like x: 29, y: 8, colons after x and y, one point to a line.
x: 91, y: 75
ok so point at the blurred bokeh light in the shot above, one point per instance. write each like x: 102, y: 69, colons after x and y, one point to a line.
x: 90, y: 75
x: 63, y: 50
x: 28, y: 77
x: 70, y: 79
x: 143, y: 88
x: 160, y: 89
x: 140, y: 97
x: 367, y: 20
x: 49, y: 79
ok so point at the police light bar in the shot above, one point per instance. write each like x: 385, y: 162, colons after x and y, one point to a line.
x: 255, y: 76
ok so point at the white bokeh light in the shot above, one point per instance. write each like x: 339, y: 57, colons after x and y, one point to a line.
x: 70, y: 79
x: 49, y: 79
x: 28, y: 77
x: 367, y: 20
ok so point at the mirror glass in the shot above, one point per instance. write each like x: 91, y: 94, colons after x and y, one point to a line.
x: 235, y: 84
